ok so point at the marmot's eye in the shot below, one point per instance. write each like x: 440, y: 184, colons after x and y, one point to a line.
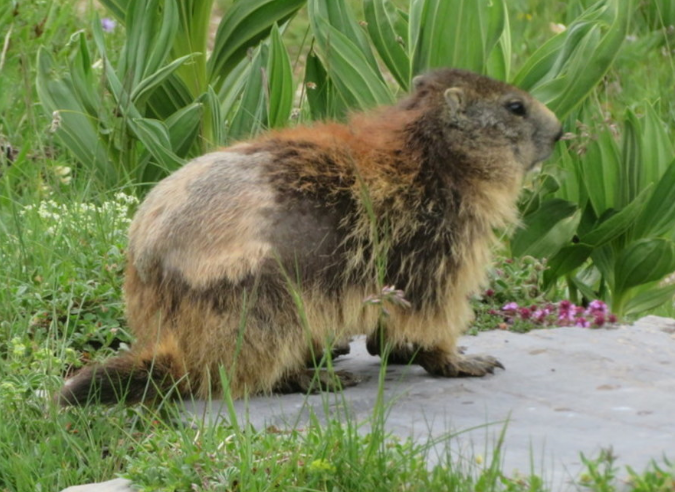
x: 516, y: 107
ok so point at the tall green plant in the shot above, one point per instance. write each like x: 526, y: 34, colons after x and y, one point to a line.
x: 471, y: 34
x: 169, y: 100
x: 609, y: 230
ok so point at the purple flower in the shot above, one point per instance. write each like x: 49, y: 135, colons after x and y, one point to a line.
x: 511, y: 306
x: 525, y: 313
x: 108, y: 24
x: 565, y: 305
x: 612, y: 318
x: 566, y: 317
x: 582, y: 322
x: 599, y: 320
x: 597, y: 307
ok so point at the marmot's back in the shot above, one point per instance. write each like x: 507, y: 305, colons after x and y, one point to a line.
x: 207, y: 221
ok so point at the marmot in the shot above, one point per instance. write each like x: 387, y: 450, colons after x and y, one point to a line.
x: 247, y: 259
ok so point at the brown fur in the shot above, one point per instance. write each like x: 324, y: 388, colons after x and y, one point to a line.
x: 250, y: 258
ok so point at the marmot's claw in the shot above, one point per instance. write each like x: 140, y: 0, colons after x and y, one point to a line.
x: 477, y: 365
x: 462, y: 366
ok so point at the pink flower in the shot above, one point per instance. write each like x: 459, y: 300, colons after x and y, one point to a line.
x: 582, y: 322
x: 489, y: 293
x: 510, y: 307
x: 597, y: 307
x: 565, y: 305
x: 525, y: 313
x: 612, y: 318
x: 599, y: 320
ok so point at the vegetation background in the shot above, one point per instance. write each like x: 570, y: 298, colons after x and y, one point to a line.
x: 97, y: 102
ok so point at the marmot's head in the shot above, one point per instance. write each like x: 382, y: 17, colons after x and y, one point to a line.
x: 478, y: 112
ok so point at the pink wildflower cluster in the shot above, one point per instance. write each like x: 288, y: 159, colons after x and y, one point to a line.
x: 563, y: 313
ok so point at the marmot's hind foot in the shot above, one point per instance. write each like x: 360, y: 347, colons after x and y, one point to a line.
x: 439, y: 364
x: 316, y: 380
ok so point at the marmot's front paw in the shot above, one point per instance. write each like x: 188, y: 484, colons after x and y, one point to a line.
x: 460, y: 365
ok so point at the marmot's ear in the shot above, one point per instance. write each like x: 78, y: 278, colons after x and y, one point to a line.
x: 455, y: 99
x: 418, y: 82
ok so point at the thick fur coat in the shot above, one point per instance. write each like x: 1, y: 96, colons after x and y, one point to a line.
x: 247, y: 260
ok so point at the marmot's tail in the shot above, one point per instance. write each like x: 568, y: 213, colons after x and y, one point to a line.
x: 128, y: 378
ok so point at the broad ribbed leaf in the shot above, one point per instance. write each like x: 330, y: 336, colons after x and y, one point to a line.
x: 338, y: 14
x: 618, y: 223
x: 77, y: 129
x: 565, y: 261
x: 656, y: 146
x: 218, y: 128
x: 643, y: 261
x: 245, y: 24
x: 548, y: 230
x: 456, y: 33
x: 279, y: 87
x: 183, y: 127
x: 658, y: 217
x: 324, y: 100
x: 385, y: 27
x: 650, y: 299
x: 601, y: 172
x: 631, y: 178
x: 584, y: 62
x: 155, y: 137
x: 117, y: 7
x: 359, y: 85
x: 148, y: 85
x: 251, y: 115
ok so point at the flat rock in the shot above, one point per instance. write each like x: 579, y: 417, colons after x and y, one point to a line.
x: 565, y: 391
x: 117, y: 485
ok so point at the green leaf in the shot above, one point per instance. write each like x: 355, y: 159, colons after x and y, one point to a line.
x: 658, y: 216
x: 146, y: 86
x: 183, y: 127
x: 644, y: 261
x: 338, y: 14
x: 385, y: 28
x: 465, y: 42
x: 565, y: 261
x: 155, y: 137
x: 547, y: 230
x: 347, y: 66
x: 117, y: 7
x: 245, y: 24
x: 218, y: 128
x: 324, y: 100
x: 650, y: 299
x: 76, y: 128
x: 601, y: 172
x: 280, y: 87
x: 251, y: 115
x: 618, y: 223
x: 657, y: 146
x: 564, y: 71
x: 631, y: 179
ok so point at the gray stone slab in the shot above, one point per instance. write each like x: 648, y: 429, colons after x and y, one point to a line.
x: 565, y: 391
x: 117, y: 485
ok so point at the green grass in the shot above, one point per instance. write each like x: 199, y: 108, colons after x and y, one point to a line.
x: 62, y: 246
